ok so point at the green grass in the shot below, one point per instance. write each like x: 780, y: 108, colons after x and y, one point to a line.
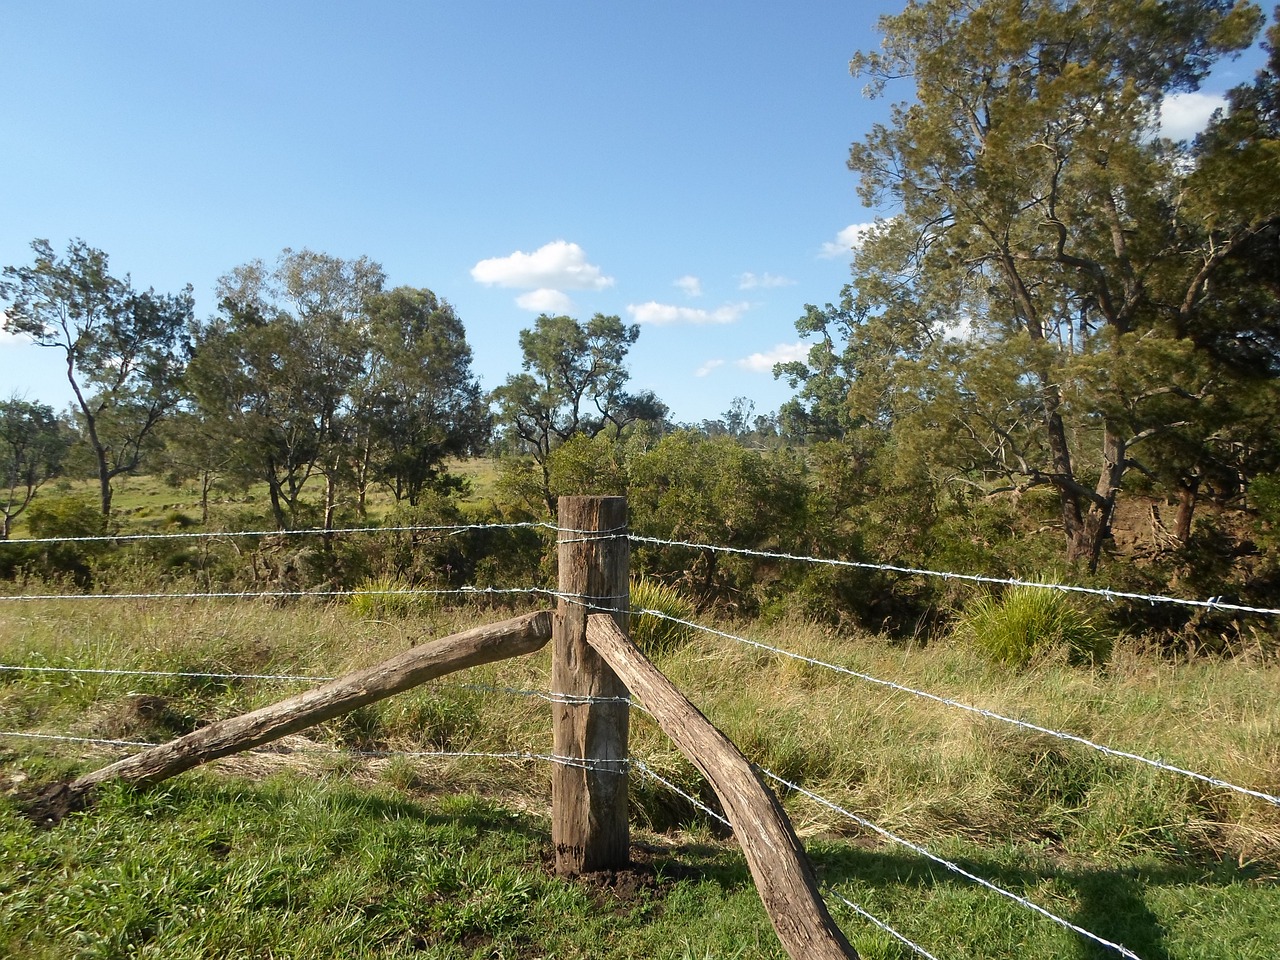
x: 319, y: 852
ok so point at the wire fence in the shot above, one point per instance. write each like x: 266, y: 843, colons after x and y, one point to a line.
x: 594, y: 602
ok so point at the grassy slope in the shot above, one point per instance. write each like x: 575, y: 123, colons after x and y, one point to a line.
x: 321, y: 853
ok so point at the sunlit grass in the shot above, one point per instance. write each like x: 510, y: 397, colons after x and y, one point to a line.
x: 385, y: 854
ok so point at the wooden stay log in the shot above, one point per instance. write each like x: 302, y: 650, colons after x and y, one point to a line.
x: 498, y: 641
x: 783, y: 876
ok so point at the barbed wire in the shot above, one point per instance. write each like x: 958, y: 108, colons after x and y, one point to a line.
x: 1214, y: 603
x: 451, y: 528
x: 949, y: 865
x: 317, y: 594
x: 960, y: 705
x: 191, y: 675
x: 308, y: 532
x: 549, y: 697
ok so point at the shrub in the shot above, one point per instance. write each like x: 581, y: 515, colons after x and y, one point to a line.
x: 655, y: 634
x: 1026, y: 622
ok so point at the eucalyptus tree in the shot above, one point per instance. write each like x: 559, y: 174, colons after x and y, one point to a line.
x: 574, y: 384
x: 1024, y: 311
x: 125, y: 350
x: 32, y: 446
x: 418, y: 401
x: 273, y: 372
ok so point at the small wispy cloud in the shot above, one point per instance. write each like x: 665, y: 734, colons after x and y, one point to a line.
x: 782, y: 353
x: 662, y: 314
x: 763, y: 281
x: 707, y: 367
x: 846, y: 241
x: 690, y: 284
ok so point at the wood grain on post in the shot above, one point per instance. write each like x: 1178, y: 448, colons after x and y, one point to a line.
x: 783, y: 876
x: 589, y: 828
x: 486, y: 644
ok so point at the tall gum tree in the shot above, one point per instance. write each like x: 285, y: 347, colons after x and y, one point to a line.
x: 573, y: 384
x: 125, y: 350
x: 1027, y: 298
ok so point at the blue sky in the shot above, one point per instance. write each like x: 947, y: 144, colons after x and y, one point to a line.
x: 681, y: 165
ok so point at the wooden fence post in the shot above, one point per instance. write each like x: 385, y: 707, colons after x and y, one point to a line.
x: 589, y: 826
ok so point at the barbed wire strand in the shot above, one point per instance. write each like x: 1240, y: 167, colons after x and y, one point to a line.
x: 316, y: 594
x: 310, y: 531
x: 608, y: 534
x: 831, y: 891
x: 570, y: 699
x: 960, y: 705
x: 1110, y: 595
x: 953, y: 867
x: 191, y: 675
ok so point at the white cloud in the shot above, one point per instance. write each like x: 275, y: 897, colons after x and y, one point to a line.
x: 782, y: 353
x: 661, y: 314
x: 545, y: 300
x: 1183, y: 115
x: 5, y: 335
x: 846, y: 240
x: 554, y: 266
x: 750, y: 281
x: 691, y: 286
x: 707, y: 367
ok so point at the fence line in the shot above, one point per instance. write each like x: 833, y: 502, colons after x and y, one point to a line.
x: 1214, y: 603
x: 587, y: 602
x: 621, y: 767
x: 953, y: 867
x: 960, y: 705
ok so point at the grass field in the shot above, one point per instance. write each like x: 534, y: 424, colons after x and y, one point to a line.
x: 342, y: 844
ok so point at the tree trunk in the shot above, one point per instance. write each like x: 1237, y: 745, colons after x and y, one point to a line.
x: 1188, y: 492
x: 1086, y: 545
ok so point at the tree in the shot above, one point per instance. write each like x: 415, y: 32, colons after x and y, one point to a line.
x: 125, y: 351
x: 1026, y: 309
x: 420, y: 402
x: 574, y: 384
x: 32, y: 446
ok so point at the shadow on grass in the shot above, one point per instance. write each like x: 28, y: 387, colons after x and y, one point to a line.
x: 1113, y: 901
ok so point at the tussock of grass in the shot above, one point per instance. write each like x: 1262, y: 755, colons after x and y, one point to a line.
x: 1026, y: 623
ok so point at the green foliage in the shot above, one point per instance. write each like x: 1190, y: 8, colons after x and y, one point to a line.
x: 1026, y: 622
x: 386, y: 598
x: 125, y: 350
x: 32, y: 448
x: 654, y: 634
x: 1031, y: 308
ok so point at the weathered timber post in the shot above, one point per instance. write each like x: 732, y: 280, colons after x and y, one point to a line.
x: 784, y: 879
x: 589, y: 799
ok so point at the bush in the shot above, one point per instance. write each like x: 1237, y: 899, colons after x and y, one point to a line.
x: 1026, y: 622
x: 655, y: 634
